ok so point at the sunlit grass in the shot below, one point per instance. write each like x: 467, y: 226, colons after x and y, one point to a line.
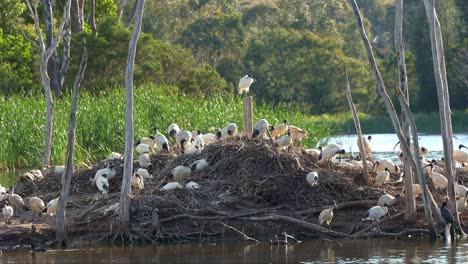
x: 101, y: 122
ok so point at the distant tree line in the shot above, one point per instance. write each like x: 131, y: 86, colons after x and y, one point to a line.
x: 296, y: 49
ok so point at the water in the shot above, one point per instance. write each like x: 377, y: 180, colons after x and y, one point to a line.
x: 413, y: 250
x: 382, y: 144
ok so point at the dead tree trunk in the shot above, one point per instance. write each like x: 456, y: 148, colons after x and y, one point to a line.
x: 46, y: 52
x: 77, y: 15
x: 410, y: 203
x: 393, y: 116
x: 120, y: 10
x: 248, y: 115
x: 92, y: 17
x: 124, y: 216
x: 56, y: 69
x: 438, y: 59
x: 357, y: 126
x: 60, y: 228
x: 53, y: 63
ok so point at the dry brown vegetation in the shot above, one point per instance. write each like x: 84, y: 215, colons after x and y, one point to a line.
x: 244, y: 194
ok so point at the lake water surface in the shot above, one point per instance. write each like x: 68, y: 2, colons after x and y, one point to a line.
x: 382, y: 144
x: 413, y: 250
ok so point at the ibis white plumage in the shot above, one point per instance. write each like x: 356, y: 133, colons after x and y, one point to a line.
x: 312, y: 178
x: 137, y: 181
x: 52, y: 206
x: 199, y: 165
x: 172, y: 130
x: 7, y: 212
x: 382, y: 177
x: 180, y: 172
x: 160, y: 140
x: 326, y: 216
x: 459, y: 155
x: 375, y: 213
x: 183, y: 139
x: 172, y: 186
x: 37, y: 206
x: 260, y: 128
x: 388, y: 199
x: 285, y: 140
x: 192, y: 185
x: 330, y: 151
x: 102, y: 184
x: 142, y: 148
x: 245, y: 82
x: 439, y: 180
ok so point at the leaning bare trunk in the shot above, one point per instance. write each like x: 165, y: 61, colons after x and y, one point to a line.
x: 92, y: 17
x: 53, y: 62
x: 49, y: 114
x: 393, y: 116
x: 66, y: 55
x: 46, y: 52
x: 410, y: 203
x: 60, y: 228
x: 357, y: 126
x: 120, y: 10
x: 77, y: 15
x: 124, y: 216
x: 438, y: 58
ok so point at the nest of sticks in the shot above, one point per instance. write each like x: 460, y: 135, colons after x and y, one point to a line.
x: 249, y: 189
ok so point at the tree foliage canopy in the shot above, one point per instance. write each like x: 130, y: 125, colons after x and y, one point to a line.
x: 297, y: 50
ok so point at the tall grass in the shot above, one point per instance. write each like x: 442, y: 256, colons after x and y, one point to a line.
x: 101, y: 122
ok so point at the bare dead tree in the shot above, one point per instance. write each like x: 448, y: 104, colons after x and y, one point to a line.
x: 440, y: 73
x: 77, y: 15
x: 57, y: 67
x: 132, y: 16
x: 45, y: 53
x: 124, y: 216
x: 410, y: 203
x: 92, y: 17
x: 394, y: 118
x: 121, y: 7
x: 357, y: 126
x: 60, y: 227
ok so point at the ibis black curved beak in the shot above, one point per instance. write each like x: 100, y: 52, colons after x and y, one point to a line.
x: 462, y: 146
x: 396, y: 145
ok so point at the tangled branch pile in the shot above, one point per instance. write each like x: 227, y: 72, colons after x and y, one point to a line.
x: 243, y: 191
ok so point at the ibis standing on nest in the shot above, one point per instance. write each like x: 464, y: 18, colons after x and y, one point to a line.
x: 260, y: 129
x: 7, y: 212
x: 329, y: 152
x: 312, y: 178
x: 15, y: 200
x: 388, y: 199
x: 161, y: 141
x: 375, y: 213
x: 326, y: 215
x: 459, y: 155
x: 439, y: 180
x: 279, y: 130
x: 172, y: 130
x: 367, y: 146
x: 285, y: 140
x: 382, y: 177
x: 245, y: 82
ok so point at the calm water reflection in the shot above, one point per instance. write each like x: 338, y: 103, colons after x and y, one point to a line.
x: 416, y: 250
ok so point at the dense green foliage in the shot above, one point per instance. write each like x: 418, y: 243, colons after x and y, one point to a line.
x: 101, y: 122
x: 296, y: 49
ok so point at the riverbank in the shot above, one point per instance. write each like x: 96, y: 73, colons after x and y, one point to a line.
x: 244, y: 195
